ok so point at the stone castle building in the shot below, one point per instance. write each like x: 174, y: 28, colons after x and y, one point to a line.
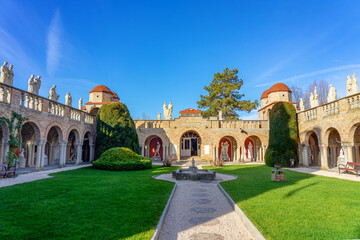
x: 57, y: 134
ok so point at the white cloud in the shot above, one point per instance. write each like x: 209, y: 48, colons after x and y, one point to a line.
x: 312, y: 74
x: 53, y: 53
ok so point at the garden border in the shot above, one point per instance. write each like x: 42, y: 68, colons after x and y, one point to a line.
x: 246, y: 221
x: 155, y: 236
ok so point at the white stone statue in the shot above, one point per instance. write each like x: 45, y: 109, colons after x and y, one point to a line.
x: 314, y: 99
x: 250, y: 151
x: 157, y: 151
x: 80, y: 103
x: 224, y: 151
x: 68, y: 100
x: 52, y: 94
x: 10, y: 76
x: 4, y: 73
x: 22, y: 159
x: 167, y: 111
x: 311, y: 100
x: 31, y: 84
x: 351, y: 85
x: 37, y: 85
x: 301, y: 105
x: 332, y: 94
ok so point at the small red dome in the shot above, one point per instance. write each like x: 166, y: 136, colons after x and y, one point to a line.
x: 101, y: 88
x: 190, y: 110
x: 265, y: 94
x: 279, y: 87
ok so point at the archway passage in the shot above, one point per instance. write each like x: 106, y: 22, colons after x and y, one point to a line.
x: 227, y: 148
x: 357, y: 144
x: 30, y: 135
x: 334, y: 146
x: 190, y: 144
x: 52, y: 147
x: 73, y: 144
x: 314, y: 150
x: 86, y: 148
x: 4, y: 135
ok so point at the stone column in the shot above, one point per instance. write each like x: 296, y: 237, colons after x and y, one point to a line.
x: 164, y: 151
x: 1, y: 152
x: 305, y: 155
x: 357, y: 153
x: 78, y: 153
x: 5, y: 148
x: 350, y: 153
x: 264, y: 151
x: 241, y: 158
x: 38, y: 156
x: 238, y: 157
x: 324, y: 159
x: 92, y: 152
x: 142, y: 151
x: 42, y: 154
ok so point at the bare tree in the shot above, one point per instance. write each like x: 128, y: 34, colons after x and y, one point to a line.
x: 144, y: 116
x: 322, y: 89
x: 297, y: 93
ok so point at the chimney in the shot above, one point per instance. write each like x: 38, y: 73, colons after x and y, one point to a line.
x: 159, y: 116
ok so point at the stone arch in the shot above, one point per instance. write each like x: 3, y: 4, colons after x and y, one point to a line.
x: 54, y: 124
x: 77, y: 131
x: 87, y: 141
x: 312, y: 142
x: 30, y: 137
x: 54, y: 138
x: 332, y: 141
x: 230, y: 154
x: 190, y: 144
x: 253, y: 149
x: 73, y: 143
x: 354, y: 135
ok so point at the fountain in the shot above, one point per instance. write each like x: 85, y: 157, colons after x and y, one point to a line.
x: 193, y: 173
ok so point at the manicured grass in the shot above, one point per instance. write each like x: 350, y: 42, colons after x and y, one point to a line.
x: 85, y: 204
x: 304, y: 207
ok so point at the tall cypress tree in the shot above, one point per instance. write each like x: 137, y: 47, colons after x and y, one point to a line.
x: 224, y: 94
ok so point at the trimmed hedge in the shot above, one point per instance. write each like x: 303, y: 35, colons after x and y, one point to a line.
x: 122, y: 159
x: 115, y: 128
x: 283, y: 135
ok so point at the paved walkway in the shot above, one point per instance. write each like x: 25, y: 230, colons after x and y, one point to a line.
x: 34, y: 176
x: 199, y: 210
x: 315, y: 171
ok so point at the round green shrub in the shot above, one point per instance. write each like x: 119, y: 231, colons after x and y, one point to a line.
x: 283, y: 135
x: 115, y: 128
x: 122, y: 159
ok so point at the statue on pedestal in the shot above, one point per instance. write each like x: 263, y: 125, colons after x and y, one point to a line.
x: 52, y: 94
x: 37, y: 85
x: 68, y: 100
x: 351, y: 85
x: 4, y: 73
x: 167, y: 111
x: 157, y: 151
x: 332, y: 94
x: 10, y: 76
x: 80, y: 103
x: 224, y: 151
x: 301, y: 105
x: 250, y: 151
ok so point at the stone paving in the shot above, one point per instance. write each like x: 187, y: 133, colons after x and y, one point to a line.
x: 332, y: 173
x: 199, y: 210
x: 34, y: 176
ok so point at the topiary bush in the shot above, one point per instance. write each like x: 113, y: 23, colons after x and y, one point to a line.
x: 283, y: 135
x: 122, y: 159
x: 115, y: 128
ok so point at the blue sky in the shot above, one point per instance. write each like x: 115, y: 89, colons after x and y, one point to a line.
x: 155, y: 51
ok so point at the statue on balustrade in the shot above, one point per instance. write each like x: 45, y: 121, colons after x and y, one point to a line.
x: 4, y: 72
x: 68, y: 100
x: 351, y: 85
x: 10, y: 75
x: 37, y: 82
x: 314, y: 99
x: 301, y: 105
x: 52, y: 94
x: 167, y: 111
x: 31, y: 84
x: 332, y: 94
x: 80, y: 103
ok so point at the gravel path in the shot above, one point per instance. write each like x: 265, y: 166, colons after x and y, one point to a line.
x: 351, y: 177
x: 30, y: 177
x: 199, y: 210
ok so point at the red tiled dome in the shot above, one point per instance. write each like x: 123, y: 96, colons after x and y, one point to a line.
x: 115, y: 95
x: 101, y: 88
x: 279, y: 87
x: 190, y: 110
x: 265, y: 94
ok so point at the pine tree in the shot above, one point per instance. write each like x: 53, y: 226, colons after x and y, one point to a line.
x: 223, y: 94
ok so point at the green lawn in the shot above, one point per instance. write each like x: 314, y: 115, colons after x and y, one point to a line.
x: 304, y: 207
x: 85, y: 204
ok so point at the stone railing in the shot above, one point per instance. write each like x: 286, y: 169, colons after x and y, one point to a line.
x: 14, y: 96
x: 338, y: 106
x: 225, y: 124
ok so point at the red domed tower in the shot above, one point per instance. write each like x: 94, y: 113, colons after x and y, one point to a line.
x: 98, y: 96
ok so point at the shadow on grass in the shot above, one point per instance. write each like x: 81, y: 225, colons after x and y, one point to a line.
x: 85, y: 204
x: 292, y: 192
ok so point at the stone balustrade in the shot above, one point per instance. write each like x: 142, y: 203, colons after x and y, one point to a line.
x: 24, y: 99
x: 339, y: 106
x: 225, y: 124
